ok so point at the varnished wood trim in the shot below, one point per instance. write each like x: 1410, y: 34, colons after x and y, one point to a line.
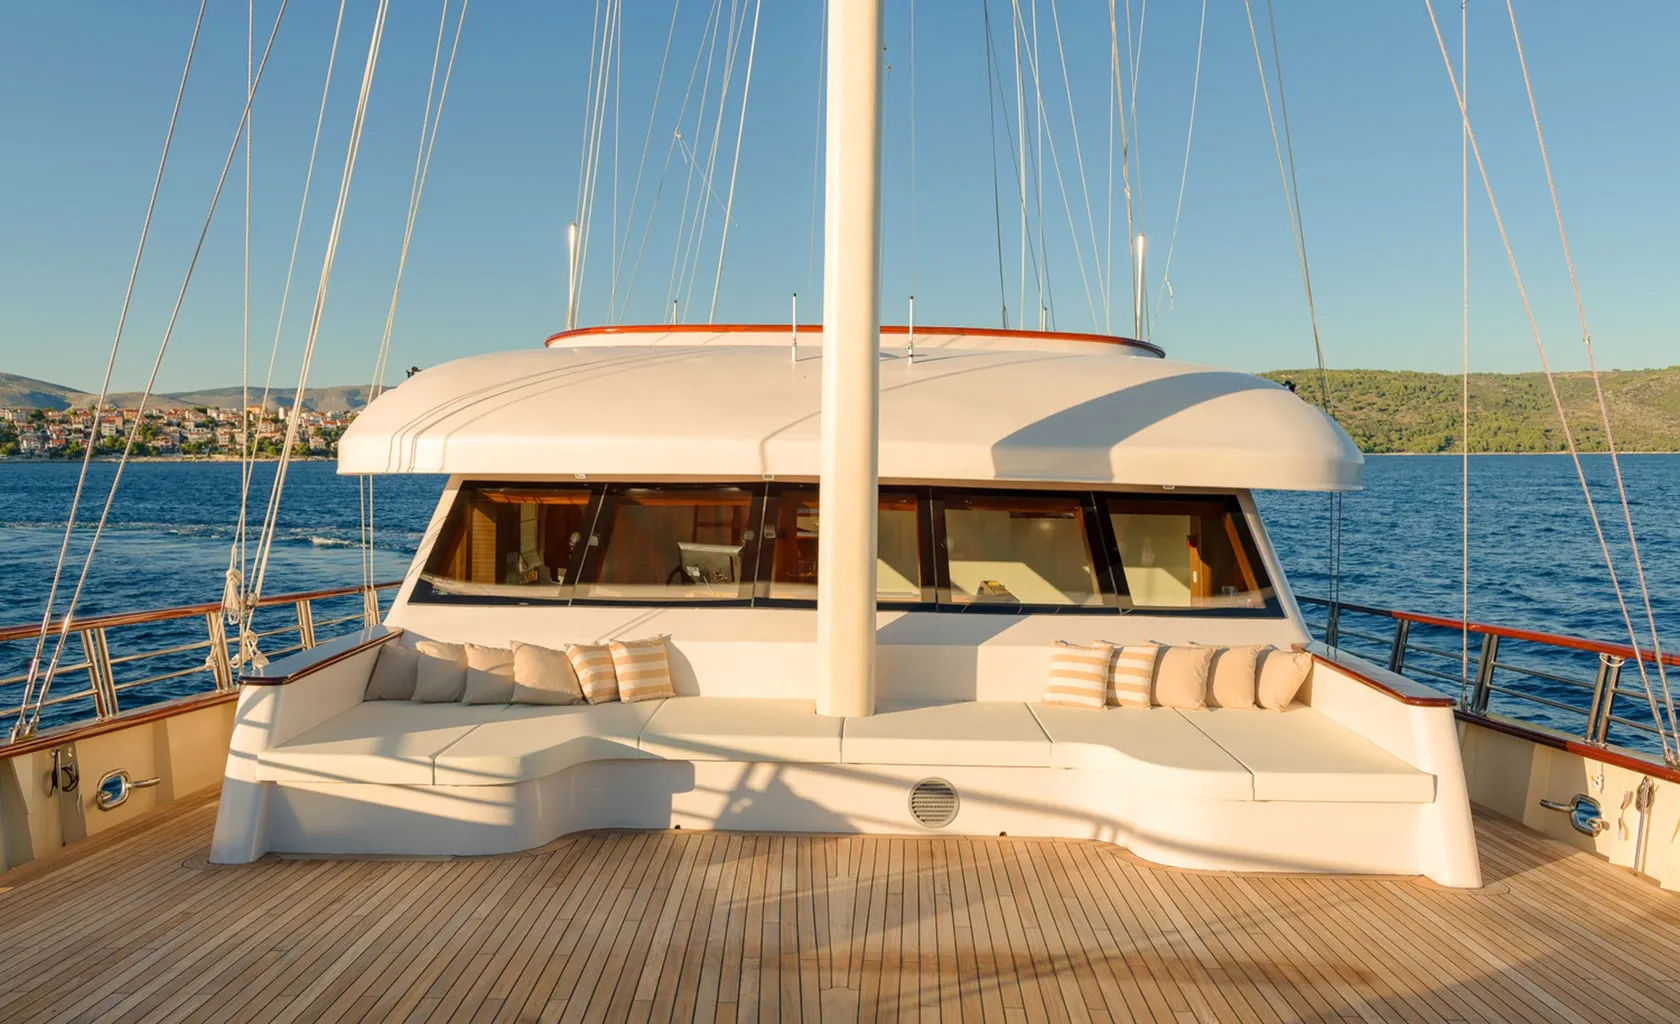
x: 30, y: 629
x: 895, y: 329
x: 68, y: 734
x: 1416, y: 695
x: 1557, y: 741
x: 294, y: 667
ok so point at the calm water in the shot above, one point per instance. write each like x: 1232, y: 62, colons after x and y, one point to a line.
x: 1534, y: 561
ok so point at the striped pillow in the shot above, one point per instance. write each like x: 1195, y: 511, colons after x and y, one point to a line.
x: 643, y: 668
x: 1078, y: 674
x: 594, y: 666
x: 1130, y: 676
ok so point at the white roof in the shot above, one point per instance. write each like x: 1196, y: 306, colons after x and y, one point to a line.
x: 732, y: 404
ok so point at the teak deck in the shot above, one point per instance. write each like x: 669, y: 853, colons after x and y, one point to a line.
x: 136, y: 925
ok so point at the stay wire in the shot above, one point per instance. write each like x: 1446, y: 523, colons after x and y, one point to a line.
x: 991, y: 124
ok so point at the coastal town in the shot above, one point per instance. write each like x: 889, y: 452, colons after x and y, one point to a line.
x: 176, y: 432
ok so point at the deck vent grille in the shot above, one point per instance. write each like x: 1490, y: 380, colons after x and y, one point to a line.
x: 933, y: 803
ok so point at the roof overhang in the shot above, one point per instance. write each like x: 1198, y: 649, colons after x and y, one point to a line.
x: 1092, y: 415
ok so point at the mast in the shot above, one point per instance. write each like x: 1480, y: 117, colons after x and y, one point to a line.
x: 846, y: 537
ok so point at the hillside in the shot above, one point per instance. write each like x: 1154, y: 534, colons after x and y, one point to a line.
x: 28, y: 393
x: 1401, y: 411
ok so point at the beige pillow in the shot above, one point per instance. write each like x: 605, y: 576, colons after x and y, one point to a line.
x: 442, y: 672
x: 1131, y: 675
x: 393, y: 674
x: 1078, y: 674
x: 643, y: 668
x: 593, y: 664
x: 542, y: 675
x: 1181, y: 681
x: 489, y: 675
x: 1282, y: 674
x: 1234, y: 677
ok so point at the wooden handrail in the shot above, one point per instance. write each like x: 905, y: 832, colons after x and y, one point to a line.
x: 1573, y: 643
x: 27, y: 630
x: 1399, y: 688
x: 984, y: 332
x: 294, y: 667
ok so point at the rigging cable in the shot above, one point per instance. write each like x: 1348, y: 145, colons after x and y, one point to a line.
x: 1598, y: 385
x: 232, y: 586
x: 692, y: 253
x: 708, y: 46
x: 1079, y: 158
x: 740, y: 132
x: 913, y: 151
x: 816, y: 152
x: 21, y: 728
x: 997, y: 208
x: 1663, y: 731
x: 34, y: 714
x: 1464, y: 342
x: 641, y: 165
x: 1184, y: 175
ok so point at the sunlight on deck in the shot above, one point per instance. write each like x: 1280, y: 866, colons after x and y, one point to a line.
x: 136, y: 925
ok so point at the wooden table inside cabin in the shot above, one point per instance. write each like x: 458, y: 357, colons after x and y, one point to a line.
x: 136, y: 925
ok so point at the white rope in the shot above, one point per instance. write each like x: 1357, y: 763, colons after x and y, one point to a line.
x: 913, y: 255
x: 816, y: 152
x: 1557, y: 402
x: 641, y: 165
x: 236, y: 551
x: 594, y: 133
x: 266, y: 541
x: 708, y: 44
x: 151, y: 380
x: 1464, y: 342
x: 20, y: 727
x: 1184, y: 175
x: 1598, y: 385
x: 740, y: 133
x: 691, y: 256
x: 1079, y: 159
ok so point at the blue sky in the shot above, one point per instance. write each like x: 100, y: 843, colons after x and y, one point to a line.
x: 88, y: 89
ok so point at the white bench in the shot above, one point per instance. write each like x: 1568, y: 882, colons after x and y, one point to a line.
x: 1232, y: 789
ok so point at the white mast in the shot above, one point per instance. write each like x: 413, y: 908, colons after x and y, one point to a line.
x: 846, y: 540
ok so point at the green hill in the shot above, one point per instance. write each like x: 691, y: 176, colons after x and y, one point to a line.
x: 1401, y: 411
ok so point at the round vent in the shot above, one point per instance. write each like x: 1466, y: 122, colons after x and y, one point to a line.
x: 933, y: 803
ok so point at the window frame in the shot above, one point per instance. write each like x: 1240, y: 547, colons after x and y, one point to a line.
x: 1101, y: 558
x: 775, y: 493
x: 427, y: 592
x: 1115, y: 501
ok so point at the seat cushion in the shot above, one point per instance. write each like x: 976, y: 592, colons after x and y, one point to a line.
x: 377, y: 741
x: 532, y: 741
x: 1302, y: 754
x: 966, y: 733
x: 1152, y: 749
x: 741, y: 729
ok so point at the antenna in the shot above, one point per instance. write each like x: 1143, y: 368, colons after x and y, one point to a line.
x: 793, y: 349
x: 673, y: 311
x: 571, y: 274
x: 912, y: 329
x: 1137, y: 289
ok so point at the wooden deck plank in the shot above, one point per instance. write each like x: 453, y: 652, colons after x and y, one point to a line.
x: 696, y: 926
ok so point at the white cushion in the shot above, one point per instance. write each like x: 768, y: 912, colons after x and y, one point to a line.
x: 543, y: 675
x: 389, y: 742
x: 1078, y: 674
x: 1234, y: 678
x: 642, y: 668
x: 1152, y: 750
x: 1181, y: 677
x: 441, y: 675
x: 1302, y: 754
x: 393, y: 674
x: 489, y: 675
x: 594, y: 666
x: 1282, y: 674
x: 530, y: 742
x: 966, y: 733
x: 741, y: 729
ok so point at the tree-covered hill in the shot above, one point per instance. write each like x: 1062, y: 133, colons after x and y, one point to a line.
x: 1402, y: 411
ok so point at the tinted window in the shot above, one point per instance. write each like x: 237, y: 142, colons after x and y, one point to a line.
x: 1188, y: 553
x: 509, y: 541
x: 790, y: 536
x: 1018, y: 550
x: 671, y: 544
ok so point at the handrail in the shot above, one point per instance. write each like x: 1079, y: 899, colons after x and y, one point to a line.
x: 1575, y: 643
x: 894, y: 329
x: 32, y: 629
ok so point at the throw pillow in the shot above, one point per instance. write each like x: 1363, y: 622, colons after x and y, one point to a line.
x: 1182, y: 679
x: 1235, y: 676
x: 643, y: 668
x: 441, y: 675
x: 1282, y: 674
x: 393, y: 674
x: 1078, y: 674
x: 542, y: 675
x: 489, y: 675
x: 1132, y: 675
x: 594, y: 666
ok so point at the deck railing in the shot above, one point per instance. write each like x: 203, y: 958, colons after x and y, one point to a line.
x: 1566, y: 683
x: 115, y: 663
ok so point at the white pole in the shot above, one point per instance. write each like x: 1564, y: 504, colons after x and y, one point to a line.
x: 846, y: 540
x: 1137, y: 290
x: 793, y: 349
x: 910, y: 329
x: 571, y: 274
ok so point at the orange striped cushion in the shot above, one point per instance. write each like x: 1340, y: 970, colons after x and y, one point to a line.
x: 1130, y: 676
x: 643, y: 668
x: 594, y: 666
x: 1078, y: 674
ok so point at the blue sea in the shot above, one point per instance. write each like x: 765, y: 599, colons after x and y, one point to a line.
x: 1534, y: 560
